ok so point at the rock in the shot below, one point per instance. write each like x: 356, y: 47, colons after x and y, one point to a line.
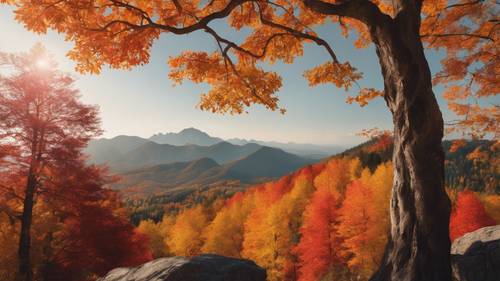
x: 200, y: 268
x: 476, y: 255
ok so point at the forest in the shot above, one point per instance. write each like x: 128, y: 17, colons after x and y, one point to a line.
x: 328, y: 221
x: 386, y: 210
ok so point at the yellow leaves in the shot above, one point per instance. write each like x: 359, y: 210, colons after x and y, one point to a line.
x: 155, y: 237
x: 365, y: 96
x: 185, y: 235
x: 342, y: 75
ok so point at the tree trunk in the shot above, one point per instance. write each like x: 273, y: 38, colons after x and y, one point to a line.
x: 419, y: 244
x: 24, y: 271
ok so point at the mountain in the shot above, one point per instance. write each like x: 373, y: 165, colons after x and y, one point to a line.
x: 264, y: 164
x: 124, y: 153
x: 307, y: 150
x: 461, y: 173
x: 185, y: 137
x: 107, y: 150
x: 151, y: 153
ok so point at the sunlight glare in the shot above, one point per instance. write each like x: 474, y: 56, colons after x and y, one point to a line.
x: 42, y: 63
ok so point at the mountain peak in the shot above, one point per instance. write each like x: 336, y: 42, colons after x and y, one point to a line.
x: 185, y: 137
x: 192, y: 130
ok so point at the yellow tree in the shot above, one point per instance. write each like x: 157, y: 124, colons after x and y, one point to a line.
x: 224, y: 235
x: 492, y: 205
x: 166, y: 226
x: 185, y: 236
x: 336, y: 175
x: 121, y: 33
x: 155, y: 238
x: 268, y: 239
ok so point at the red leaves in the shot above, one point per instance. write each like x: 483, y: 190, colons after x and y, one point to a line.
x: 319, y: 245
x: 469, y: 215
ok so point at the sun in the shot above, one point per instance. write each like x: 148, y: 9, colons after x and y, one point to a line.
x: 42, y: 63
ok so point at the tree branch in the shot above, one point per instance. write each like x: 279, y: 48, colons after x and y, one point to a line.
x: 458, y: 34
x: 362, y: 10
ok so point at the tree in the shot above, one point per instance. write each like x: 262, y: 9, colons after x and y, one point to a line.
x: 121, y: 33
x: 469, y: 215
x: 492, y: 206
x: 185, y: 237
x: 155, y: 237
x: 95, y: 238
x: 319, y: 245
x: 356, y: 220
x: 224, y: 235
x: 43, y: 118
x: 270, y: 234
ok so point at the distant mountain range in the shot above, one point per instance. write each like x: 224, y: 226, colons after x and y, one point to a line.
x: 264, y: 164
x: 109, y: 150
x: 189, y: 160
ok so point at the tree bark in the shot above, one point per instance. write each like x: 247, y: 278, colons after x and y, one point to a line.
x: 419, y: 244
x: 24, y: 270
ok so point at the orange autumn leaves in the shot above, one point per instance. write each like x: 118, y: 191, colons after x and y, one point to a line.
x: 120, y: 34
x: 468, y: 33
x: 329, y: 220
x: 298, y: 228
x: 231, y: 91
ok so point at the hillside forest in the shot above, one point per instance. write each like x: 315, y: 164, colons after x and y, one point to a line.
x: 386, y: 210
x: 325, y: 221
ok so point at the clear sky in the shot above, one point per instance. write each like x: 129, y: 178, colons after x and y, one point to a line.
x: 143, y: 101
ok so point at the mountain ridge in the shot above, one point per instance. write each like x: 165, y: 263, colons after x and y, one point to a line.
x: 264, y: 164
x: 105, y: 150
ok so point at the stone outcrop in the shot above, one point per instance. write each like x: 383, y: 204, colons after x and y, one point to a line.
x: 200, y: 268
x: 476, y: 255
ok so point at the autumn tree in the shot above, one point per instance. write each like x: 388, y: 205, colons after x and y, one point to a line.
x: 270, y: 233
x: 185, y: 236
x: 42, y: 117
x: 121, y: 33
x: 319, y: 247
x: 492, y: 206
x: 155, y: 237
x: 224, y: 235
x: 355, y: 223
x: 94, y: 239
x: 469, y: 215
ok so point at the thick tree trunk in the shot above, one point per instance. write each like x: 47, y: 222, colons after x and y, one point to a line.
x: 419, y: 244
x: 24, y: 270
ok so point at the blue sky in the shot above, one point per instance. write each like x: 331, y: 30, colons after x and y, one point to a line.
x: 143, y: 101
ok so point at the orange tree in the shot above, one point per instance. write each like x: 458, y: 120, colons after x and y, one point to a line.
x: 120, y: 33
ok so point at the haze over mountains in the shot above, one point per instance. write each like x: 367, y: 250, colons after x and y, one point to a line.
x: 189, y: 159
x: 265, y: 164
x: 123, y: 153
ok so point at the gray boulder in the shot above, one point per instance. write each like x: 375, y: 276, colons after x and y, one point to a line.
x: 476, y: 255
x: 200, y: 268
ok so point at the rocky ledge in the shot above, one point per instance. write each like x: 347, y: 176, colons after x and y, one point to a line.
x: 476, y: 255
x: 200, y: 268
